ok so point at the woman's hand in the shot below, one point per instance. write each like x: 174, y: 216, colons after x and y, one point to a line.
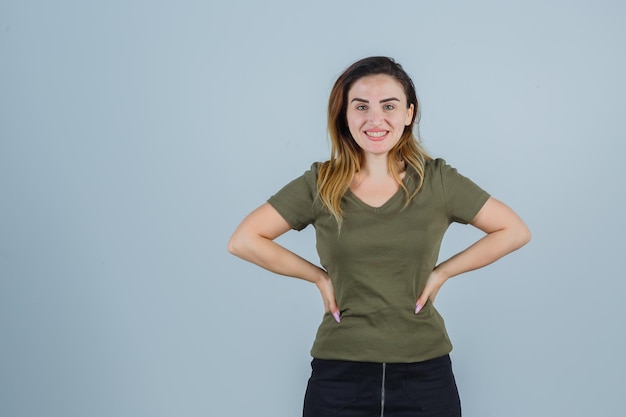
x: 253, y: 240
x: 505, y: 232
x: 328, y: 296
x: 433, y: 284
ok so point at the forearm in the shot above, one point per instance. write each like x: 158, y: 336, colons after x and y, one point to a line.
x: 505, y: 232
x: 490, y: 248
x: 253, y: 241
x: 270, y: 255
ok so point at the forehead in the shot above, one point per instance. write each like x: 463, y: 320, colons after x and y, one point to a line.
x: 377, y: 86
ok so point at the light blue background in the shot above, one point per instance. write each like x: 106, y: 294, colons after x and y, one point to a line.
x: 135, y: 135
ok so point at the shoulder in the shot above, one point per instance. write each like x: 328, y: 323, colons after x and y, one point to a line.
x: 438, y: 173
x: 314, y: 168
x: 432, y: 169
x: 436, y: 164
x: 306, y: 182
x: 311, y: 174
x: 439, y: 168
x: 295, y: 202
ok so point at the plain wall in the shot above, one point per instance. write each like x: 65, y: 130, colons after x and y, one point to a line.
x: 135, y: 135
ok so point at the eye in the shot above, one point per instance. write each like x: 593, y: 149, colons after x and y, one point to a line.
x: 361, y: 107
x: 389, y: 107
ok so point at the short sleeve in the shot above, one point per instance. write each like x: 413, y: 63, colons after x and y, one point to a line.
x: 463, y: 198
x: 295, y: 201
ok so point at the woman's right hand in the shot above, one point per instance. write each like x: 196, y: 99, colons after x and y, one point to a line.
x: 253, y: 240
x: 325, y: 286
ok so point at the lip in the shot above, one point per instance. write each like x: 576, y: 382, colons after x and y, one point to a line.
x: 378, y: 131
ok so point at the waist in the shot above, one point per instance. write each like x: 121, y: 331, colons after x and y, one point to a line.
x: 374, y: 369
x: 390, y: 338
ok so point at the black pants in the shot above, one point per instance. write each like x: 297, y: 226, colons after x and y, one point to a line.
x: 365, y: 389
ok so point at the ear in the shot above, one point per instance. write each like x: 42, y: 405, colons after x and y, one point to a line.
x: 409, y: 115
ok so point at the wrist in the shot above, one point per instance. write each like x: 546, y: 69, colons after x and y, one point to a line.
x: 440, y: 273
x: 321, y: 279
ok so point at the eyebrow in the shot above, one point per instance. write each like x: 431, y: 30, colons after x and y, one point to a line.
x: 362, y: 100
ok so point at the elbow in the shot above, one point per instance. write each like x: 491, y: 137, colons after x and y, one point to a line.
x: 527, y: 236
x: 234, y: 245
x: 242, y: 244
x: 523, y: 235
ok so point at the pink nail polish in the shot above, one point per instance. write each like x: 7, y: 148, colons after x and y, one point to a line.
x: 336, y: 316
x: 418, y: 307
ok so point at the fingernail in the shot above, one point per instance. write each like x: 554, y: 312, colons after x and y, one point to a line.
x: 336, y: 316
x: 418, y: 307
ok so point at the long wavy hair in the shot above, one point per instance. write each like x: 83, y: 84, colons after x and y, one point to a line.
x: 346, y: 156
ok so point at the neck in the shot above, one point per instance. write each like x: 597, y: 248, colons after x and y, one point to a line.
x: 376, y: 167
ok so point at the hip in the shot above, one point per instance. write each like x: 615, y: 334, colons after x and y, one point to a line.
x: 355, y: 389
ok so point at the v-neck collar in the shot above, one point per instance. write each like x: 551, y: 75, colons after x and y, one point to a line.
x: 391, y: 202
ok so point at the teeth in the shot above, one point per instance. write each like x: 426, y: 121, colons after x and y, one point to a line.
x: 376, y: 134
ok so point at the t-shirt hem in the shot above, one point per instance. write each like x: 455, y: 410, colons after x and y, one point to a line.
x: 383, y: 358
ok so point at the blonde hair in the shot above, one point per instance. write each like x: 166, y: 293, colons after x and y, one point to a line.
x: 335, y: 175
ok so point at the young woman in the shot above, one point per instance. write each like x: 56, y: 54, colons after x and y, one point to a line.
x: 380, y: 207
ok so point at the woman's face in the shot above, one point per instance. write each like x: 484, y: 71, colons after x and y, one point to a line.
x: 377, y: 113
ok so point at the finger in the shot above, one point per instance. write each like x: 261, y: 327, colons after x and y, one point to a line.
x: 334, y: 309
x: 421, y: 301
x: 337, y: 316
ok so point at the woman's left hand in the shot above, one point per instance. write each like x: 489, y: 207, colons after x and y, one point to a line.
x: 433, y: 284
x: 505, y: 232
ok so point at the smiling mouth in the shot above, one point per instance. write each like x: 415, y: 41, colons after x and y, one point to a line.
x: 379, y: 134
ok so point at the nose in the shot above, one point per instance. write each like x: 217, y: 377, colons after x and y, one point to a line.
x: 375, y: 116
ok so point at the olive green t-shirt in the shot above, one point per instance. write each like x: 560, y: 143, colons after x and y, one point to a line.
x: 379, y: 261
